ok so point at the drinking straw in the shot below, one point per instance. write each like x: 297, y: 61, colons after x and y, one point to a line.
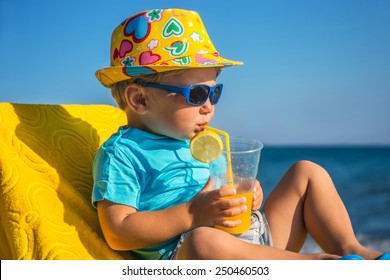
x: 228, y: 154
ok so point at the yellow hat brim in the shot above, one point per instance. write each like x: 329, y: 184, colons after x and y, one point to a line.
x: 111, y: 75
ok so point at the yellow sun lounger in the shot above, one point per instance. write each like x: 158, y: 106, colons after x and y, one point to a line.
x: 46, y: 154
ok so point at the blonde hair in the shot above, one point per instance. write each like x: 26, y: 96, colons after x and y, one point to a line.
x: 118, y: 89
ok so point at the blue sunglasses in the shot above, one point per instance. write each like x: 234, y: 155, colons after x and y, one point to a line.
x: 195, y: 94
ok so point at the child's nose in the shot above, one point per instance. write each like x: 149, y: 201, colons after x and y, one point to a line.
x: 207, y: 107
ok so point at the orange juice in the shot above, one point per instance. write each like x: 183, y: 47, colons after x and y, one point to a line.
x: 244, y: 217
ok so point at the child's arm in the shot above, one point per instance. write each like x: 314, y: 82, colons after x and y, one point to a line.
x: 126, y: 229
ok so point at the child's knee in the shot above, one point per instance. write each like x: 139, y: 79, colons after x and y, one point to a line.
x: 312, y: 173
x: 201, y: 243
x: 308, y: 168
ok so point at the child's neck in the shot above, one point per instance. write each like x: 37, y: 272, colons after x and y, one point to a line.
x: 134, y: 121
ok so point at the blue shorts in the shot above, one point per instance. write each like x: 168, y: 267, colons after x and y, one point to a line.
x: 259, y: 232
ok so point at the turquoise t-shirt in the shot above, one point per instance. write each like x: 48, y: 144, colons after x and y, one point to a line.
x: 147, y: 172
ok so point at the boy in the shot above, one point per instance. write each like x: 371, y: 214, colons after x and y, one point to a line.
x: 155, y: 199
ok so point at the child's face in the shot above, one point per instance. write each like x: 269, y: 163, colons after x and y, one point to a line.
x: 169, y: 114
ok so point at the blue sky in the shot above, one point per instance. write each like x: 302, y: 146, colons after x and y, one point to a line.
x: 316, y: 71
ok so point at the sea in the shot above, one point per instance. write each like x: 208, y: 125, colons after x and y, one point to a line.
x: 361, y: 175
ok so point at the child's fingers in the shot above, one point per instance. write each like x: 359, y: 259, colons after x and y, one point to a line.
x: 228, y: 224
x: 257, y: 196
x: 228, y: 203
x: 255, y: 202
x: 223, y: 191
x: 231, y: 212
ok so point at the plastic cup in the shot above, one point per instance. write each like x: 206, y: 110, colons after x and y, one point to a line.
x: 244, y: 157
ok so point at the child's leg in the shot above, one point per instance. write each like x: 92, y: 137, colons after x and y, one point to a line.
x: 209, y: 243
x: 305, y: 200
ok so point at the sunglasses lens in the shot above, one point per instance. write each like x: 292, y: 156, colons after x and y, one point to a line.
x: 199, y: 94
x: 216, y: 94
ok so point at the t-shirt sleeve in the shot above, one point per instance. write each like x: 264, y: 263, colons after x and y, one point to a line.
x: 115, y: 178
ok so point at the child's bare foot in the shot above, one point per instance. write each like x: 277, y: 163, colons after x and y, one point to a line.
x: 366, y: 253
x: 325, y: 256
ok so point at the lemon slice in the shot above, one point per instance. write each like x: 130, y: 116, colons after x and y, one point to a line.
x: 206, y: 146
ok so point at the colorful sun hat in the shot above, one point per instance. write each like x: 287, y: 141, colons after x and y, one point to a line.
x: 160, y: 40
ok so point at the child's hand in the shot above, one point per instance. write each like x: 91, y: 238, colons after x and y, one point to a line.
x: 257, y: 196
x: 208, y: 208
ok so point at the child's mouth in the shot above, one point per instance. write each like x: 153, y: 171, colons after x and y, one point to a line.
x: 200, y: 127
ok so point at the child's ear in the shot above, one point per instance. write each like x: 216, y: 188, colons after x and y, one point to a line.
x: 135, y: 98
